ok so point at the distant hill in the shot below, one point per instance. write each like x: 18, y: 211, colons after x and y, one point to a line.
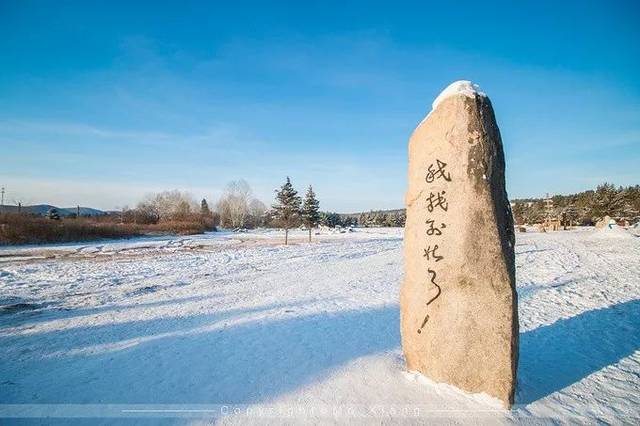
x: 43, y: 209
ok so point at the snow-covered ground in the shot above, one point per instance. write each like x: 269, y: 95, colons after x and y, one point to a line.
x: 174, y: 326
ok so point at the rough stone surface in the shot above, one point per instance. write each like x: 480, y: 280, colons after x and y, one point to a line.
x: 459, y: 315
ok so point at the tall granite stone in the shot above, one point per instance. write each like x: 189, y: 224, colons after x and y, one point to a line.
x: 459, y: 313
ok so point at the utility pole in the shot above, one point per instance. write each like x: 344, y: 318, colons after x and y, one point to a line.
x: 2, y: 202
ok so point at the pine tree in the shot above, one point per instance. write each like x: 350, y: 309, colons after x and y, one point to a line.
x: 53, y: 214
x: 519, y: 214
x: 570, y: 214
x: 287, y: 207
x: 608, y: 200
x: 310, y: 211
x: 362, y: 219
x: 204, y: 208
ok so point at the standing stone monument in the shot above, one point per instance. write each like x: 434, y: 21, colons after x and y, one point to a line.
x: 459, y: 310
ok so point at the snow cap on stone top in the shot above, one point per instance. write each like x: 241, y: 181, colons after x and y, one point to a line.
x: 460, y: 87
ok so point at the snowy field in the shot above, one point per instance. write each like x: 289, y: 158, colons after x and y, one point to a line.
x: 173, y: 326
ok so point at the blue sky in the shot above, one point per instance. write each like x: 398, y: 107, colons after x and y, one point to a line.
x: 103, y: 102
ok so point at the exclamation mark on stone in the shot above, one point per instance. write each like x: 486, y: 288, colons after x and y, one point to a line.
x: 423, y: 324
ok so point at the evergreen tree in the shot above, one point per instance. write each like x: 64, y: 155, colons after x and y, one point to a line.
x: 519, y: 214
x: 204, y: 208
x: 53, y: 214
x: 287, y: 207
x: 310, y: 212
x: 331, y: 219
x: 362, y: 219
x: 570, y: 215
x: 388, y: 220
x: 608, y: 200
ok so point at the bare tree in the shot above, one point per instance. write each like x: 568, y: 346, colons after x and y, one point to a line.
x: 257, y: 210
x: 233, y: 206
x: 168, y: 205
x: 148, y: 211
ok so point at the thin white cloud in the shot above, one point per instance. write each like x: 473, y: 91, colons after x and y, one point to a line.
x: 87, y: 193
x: 223, y: 136
x: 74, y: 129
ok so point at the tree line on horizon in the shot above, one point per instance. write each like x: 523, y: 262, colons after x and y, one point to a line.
x: 238, y: 209
x: 583, y: 208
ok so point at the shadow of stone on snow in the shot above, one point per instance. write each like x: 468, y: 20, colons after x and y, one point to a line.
x: 243, y: 363
x: 558, y: 355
